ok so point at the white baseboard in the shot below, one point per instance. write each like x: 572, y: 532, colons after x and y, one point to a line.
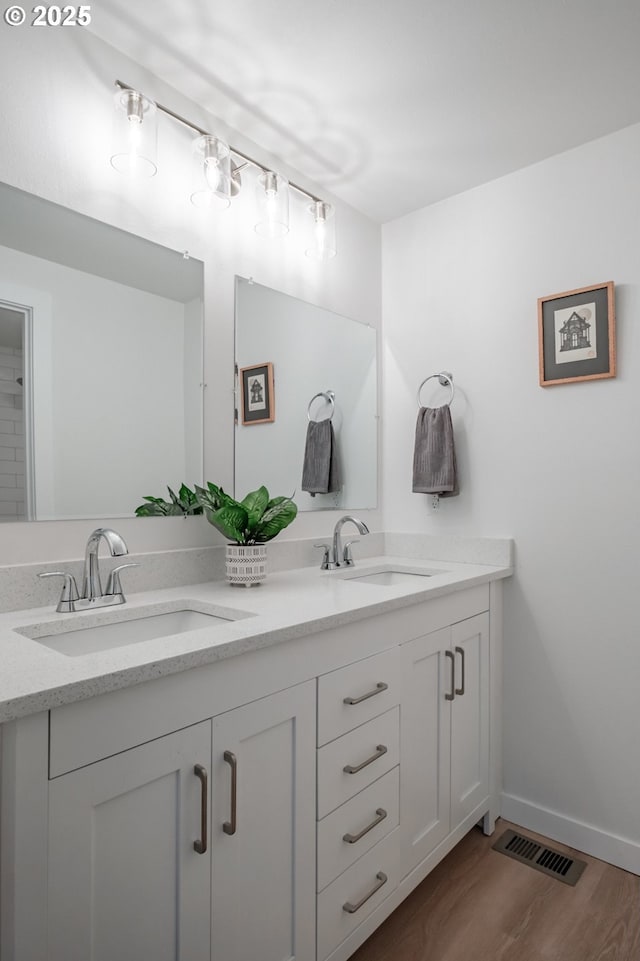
x: 621, y: 852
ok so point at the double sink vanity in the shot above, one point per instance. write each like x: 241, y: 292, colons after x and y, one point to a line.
x: 254, y: 775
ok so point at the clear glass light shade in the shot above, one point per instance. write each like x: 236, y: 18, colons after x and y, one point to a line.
x: 272, y: 201
x: 322, y: 243
x: 135, y: 135
x: 211, y: 173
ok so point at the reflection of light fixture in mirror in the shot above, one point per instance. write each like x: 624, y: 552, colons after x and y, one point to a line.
x: 135, y: 134
x: 272, y: 199
x: 212, y: 184
x: 322, y: 245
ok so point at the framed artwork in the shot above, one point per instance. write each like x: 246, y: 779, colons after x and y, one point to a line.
x: 256, y: 387
x: 577, y: 335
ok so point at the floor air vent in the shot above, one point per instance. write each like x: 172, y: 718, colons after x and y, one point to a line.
x: 527, y: 851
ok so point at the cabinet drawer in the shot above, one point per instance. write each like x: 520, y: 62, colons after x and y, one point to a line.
x: 368, y: 753
x: 355, y: 827
x: 363, y: 887
x: 356, y: 693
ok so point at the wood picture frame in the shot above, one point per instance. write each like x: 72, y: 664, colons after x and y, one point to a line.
x: 257, y: 394
x: 577, y: 335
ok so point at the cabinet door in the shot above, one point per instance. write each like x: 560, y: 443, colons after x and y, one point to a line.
x: 425, y: 747
x: 470, y: 717
x: 263, y: 829
x: 125, y: 881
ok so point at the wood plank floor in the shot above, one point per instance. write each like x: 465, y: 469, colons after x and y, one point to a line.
x: 479, y: 905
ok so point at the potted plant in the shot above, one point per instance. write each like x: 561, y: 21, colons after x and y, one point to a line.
x: 248, y: 525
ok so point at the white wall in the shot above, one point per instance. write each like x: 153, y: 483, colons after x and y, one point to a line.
x: 557, y: 468
x: 56, y: 90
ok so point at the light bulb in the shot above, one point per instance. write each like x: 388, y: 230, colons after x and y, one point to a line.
x: 135, y: 134
x: 323, y: 240
x: 272, y: 201
x: 212, y: 173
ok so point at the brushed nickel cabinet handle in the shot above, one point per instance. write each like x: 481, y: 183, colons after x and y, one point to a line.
x: 230, y: 827
x: 201, y: 773
x: 379, y: 688
x: 381, y: 814
x: 460, y: 651
x: 381, y: 878
x: 353, y: 769
x: 451, y: 655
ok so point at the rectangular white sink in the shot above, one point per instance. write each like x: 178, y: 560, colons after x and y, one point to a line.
x: 115, y: 629
x: 392, y: 577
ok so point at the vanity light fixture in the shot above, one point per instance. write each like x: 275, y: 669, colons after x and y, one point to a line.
x: 217, y: 178
x: 322, y: 245
x: 272, y: 201
x: 135, y: 134
x: 212, y: 184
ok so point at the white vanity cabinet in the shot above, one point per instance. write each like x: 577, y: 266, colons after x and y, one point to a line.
x: 327, y: 774
x: 204, y: 835
x: 445, y: 734
x: 124, y: 879
x: 262, y: 830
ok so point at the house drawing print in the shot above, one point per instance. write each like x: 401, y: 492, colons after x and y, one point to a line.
x: 257, y: 392
x: 574, y: 333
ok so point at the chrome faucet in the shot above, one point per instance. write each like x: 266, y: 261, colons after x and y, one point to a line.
x: 92, y: 594
x: 336, y: 556
x: 91, y: 586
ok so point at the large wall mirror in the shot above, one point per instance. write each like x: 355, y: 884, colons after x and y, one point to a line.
x: 101, y: 365
x: 323, y: 366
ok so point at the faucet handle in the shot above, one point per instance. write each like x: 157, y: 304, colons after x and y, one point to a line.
x: 113, y: 581
x: 347, y: 556
x: 324, y: 566
x: 69, y: 594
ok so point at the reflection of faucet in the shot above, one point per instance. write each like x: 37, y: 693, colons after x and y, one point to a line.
x: 92, y: 595
x: 336, y: 556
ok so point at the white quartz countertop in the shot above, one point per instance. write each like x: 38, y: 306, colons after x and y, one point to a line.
x: 288, y: 605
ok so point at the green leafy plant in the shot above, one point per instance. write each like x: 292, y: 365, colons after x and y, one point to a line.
x: 254, y: 520
x: 183, y: 503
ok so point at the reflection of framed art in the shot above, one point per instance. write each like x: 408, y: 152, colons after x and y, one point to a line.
x: 577, y: 335
x: 256, y: 387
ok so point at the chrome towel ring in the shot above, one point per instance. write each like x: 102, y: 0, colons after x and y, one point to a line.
x: 329, y: 396
x: 444, y: 378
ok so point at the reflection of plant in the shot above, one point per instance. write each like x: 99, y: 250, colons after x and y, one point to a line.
x: 183, y: 503
x: 254, y: 520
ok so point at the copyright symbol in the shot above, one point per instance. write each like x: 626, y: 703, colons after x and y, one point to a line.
x: 14, y: 16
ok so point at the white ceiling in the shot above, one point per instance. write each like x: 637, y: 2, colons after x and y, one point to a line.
x: 395, y: 104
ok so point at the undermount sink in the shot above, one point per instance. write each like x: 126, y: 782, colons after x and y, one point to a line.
x: 142, y: 624
x: 391, y: 577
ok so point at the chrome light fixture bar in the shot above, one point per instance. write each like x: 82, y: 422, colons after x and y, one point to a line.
x: 217, y: 178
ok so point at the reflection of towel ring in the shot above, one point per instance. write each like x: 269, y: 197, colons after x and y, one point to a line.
x: 445, y: 378
x: 329, y: 397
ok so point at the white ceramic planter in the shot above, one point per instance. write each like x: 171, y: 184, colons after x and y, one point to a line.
x: 246, y: 564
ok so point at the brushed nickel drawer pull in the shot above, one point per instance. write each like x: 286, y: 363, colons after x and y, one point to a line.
x: 381, y: 878
x: 352, y: 838
x: 460, y: 651
x: 450, y: 697
x: 201, y: 773
x: 379, y: 688
x: 229, y: 827
x: 353, y: 769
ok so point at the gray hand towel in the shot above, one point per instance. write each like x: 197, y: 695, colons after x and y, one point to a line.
x: 434, y: 457
x: 320, y: 474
